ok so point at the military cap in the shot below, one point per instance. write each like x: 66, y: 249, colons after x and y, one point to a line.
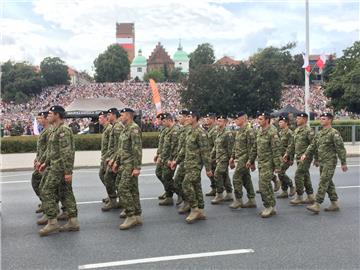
x: 45, y: 114
x: 327, y: 114
x: 127, y: 110
x: 212, y: 115
x: 57, y: 109
x: 194, y: 113
x: 283, y: 118
x: 159, y: 115
x: 266, y: 114
x: 112, y: 110
x: 103, y: 113
x: 221, y: 116
x: 239, y: 114
x: 184, y: 112
x: 302, y: 114
x: 165, y: 116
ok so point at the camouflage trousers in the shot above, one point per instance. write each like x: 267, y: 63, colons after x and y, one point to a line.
x: 35, y: 182
x: 222, y: 179
x: 128, y: 187
x: 266, y: 174
x: 178, y: 180
x: 302, y: 177
x: 212, y: 178
x: 326, y: 184
x: 192, y: 188
x: 242, y: 178
x: 159, y: 174
x: 53, y: 184
x: 285, y: 180
x: 102, y: 172
x: 167, y: 179
x: 110, y: 183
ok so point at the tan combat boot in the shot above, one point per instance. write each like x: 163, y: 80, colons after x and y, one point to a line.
x: 228, y: 197
x: 315, y: 208
x: 43, y: 220
x: 237, y: 203
x: 219, y: 198
x: 298, y: 200
x: 71, y: 225
x: 202, y: 214
x: 51, y: 227
x: 122, y: 214
x: 168, y: 201
x: 62, y: 216
x: 283, y: 195
x: 292, y: 191
x: 212, y: 192
x: 194, y: 215
x: 179, y: 200
x: 310, y: 199
x: 128, y: 223
x: 106, y: 200
x: 251, y: 203
x: 39, y: 209
x: 185, y: 208
x: 267, y: 212
x: 277, y: 185
x: 110, y: 205
x: 162, y: 197
x: 139, y: 220
x: 334, y: 206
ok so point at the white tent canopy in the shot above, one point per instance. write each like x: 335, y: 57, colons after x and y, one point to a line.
x: 95, y: 104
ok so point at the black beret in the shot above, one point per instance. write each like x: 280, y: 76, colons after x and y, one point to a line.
x: 212, y: 115
x: 327, y: 114
x: 112, y: 110
x: 184, y: 112
x: 45, y: 114
x: 221, y: 116
x: 194, y: 113
x: 127, y: 110
x: 239, y: 114
x: 266, y: 114
x: 103, y: 113
x: 283, y: 118
x: 165, y: 116
x: 57, y: 109
x: 302, y: 114
x: 159, y: 115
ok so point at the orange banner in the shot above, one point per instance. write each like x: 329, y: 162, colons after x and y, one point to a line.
x: 156, y: 96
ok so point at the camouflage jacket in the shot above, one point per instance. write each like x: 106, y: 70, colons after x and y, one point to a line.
x: 42, y: 144
x: 267, y: 149
x: 244, y: 142
x: 286, y: 140
x: 60, y: 152
x: 116, y: 130
x: 105, y: 138
x: 196, y: 151
x: 326, y: 145
x: 212, y: 134
x: 170, y: 144
x: 182, y: 139
x: 303, y: 136
x: 129, y: 152
x: 161, y: 141
x: 223, y: 146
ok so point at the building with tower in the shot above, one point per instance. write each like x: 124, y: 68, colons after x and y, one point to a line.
x: 160, y: 60
x: 138, y: 66
x: 125, y: 38
x: 181, y: 59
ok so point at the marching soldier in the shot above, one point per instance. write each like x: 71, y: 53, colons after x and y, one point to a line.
x: 326, y: 148
x: 212, y: 130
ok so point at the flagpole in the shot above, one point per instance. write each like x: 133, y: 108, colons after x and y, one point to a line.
x: 307, y: 51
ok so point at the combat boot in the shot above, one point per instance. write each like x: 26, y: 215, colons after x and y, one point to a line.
x: 267, y: 212
x: 334, y: 206
x: 162, y: 197
x: 62, y: 216
x: 251, y: 203
x: 122, y: 214
x: 185, y: 208
x: 43, y: 220
x: 139, y: 220
x: 228, y: 197
x: 237, y: 203
x: 315, y: 208
x: 105, y: 200
x: 277, y: 185
x: 298, y: 200
x: 110, y: 205
x: 194, y: 215
x: 39, y: 209
x: 71, y: 225
x: 219, y: 198
x: 258, y: 191
x: 202, y: 215
x: 292, y: 191
x: 310, y: 199
x: 283, y: 195
x: 128, y: 223
x: 179, y: 200
x: 167, y: 201
x: 51, y: 227
x: 212, y: 192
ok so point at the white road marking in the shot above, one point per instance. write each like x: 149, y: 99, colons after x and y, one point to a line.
x: 15, y: 182
x: 16, y: 175
x: 166, y: 258
x: 93, y: 202
x: 348, y: 187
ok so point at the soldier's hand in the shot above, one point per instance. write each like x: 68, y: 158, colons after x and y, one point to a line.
x: 155, y: 158
x: 344, y: 168
x: 303, y: 157
x: 173, y: 165
x: 253, y: 167
x: 135, y: 172
x: 248, y: 164
x: 115, y: 167
x: 209, y: 173
x: 110, y: 163
x: 42, y: 167
x: 169, y: 163
x: 37, y: 166
x: 316, y: 163
x: 285, y: 158
x: 232, y: 163
x: 68, y: 178
x: 277, y: 171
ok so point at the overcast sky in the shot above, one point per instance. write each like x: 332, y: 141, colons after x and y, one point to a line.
x: 78, y: 30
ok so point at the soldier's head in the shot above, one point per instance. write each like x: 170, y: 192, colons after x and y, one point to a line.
x: 301, y: 119
x: 55, y: 114
x: 210, y: 119
x: 126, y: 115
x: 103, y: 118
x: 240, y: 118
x: 264, y: 119
x: 42, y: 118
x: 113, y: 114
x: 192, y: 118
x: 167, y: 119
x: 283, y: 121
x: 221, y: 120
x: 182, y: 116
x: 326, y: 119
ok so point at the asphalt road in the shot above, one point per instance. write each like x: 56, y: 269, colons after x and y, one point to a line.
x: 240, y: 239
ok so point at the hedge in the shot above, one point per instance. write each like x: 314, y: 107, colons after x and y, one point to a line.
x: 27, y: 144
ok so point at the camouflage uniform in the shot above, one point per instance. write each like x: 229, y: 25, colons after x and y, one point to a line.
x: 244, y: 142
x: 110, y: 176
x: 223, y: 146
x: 168, y: 153
x: 59, y: 159
x: 128, y: 158
x: 212, y: 134
x: 286, y: 139
x: 105, y: 138
x: 303, y: 136
x: 326, y: 147
x: 159, y: 166
x: 267, y: 149
x: 194, y: 154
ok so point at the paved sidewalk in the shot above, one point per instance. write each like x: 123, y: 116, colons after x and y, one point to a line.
x: 88, y: 159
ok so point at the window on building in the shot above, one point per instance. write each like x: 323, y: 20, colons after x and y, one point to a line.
x: 180, y: 63
x: 139, y: 69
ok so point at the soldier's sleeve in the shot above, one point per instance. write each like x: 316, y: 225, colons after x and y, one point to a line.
x: 250, y: 138
x: 38, y: 148
x: 340, y: 148
x: 290, y: 150
x: 253, y: 152
x: 43, y: 158
x: 230, y: 146
x: 276, y: 150
x: 43, y: 146
x: 290, y: 143
x: 312, y: 149
x: 117, y: 133
x: 161, y: 141
x: 136, y: 145
x: 67, y: 150
x: 233, y: 149
x: 204, y: 150
x: 174, y: 144
x: 110, y: 145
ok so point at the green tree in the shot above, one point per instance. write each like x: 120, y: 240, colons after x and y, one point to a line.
x: 54, y: 71
x: 343, y: 85
x: 203, y: 55
x: 156, y: 75
x: 176, y: 76
x: 329, y: 68
x: 112, y: 65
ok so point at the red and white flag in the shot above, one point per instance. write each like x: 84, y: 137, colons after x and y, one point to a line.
x: 321, y: 61
x: 306, y: 64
